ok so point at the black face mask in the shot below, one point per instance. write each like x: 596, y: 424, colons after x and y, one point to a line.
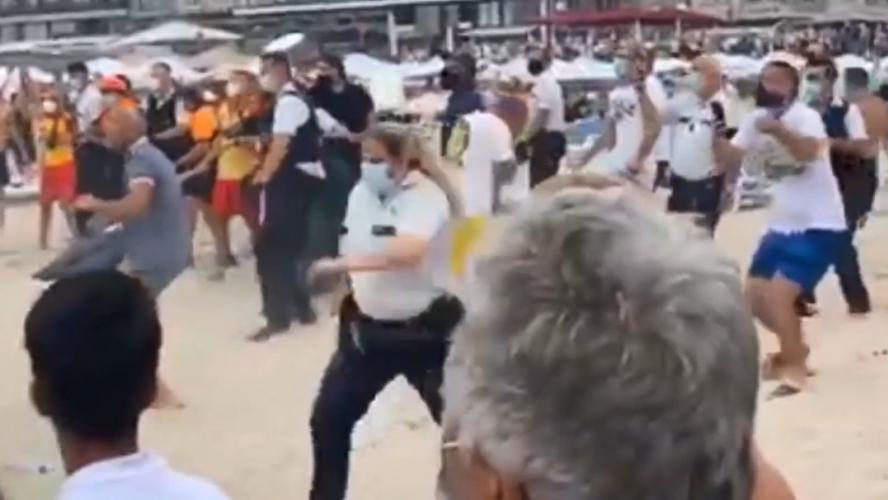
x: 535, y: 67
x: 449, y: 81
x: 767, y: 99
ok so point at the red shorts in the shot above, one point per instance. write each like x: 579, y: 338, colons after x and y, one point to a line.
x: 57, y: 183
x: 229, y: 200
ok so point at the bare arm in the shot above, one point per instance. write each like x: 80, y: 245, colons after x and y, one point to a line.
x: 171, y: 133
x: 277, y: 150
x: 132, y: 206
x: 536, y: 123
x: 652, y: 125
x: 403, y: 251
x: 605, y: 141
x: 863, y: 148
x: 196, y: 154
x: 769, y: 482
x: 802, y: 148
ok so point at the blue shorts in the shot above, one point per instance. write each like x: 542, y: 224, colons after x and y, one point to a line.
x: 802, y: 258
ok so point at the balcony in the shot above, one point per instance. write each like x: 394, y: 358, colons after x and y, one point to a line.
x: 42, y: 7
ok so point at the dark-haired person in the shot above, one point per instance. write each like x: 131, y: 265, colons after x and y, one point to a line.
x: 84, y: 95
x: 807, y: 227
x: 290, y: 176
x: 94, y: 343
x: 457, y: 78
x: 352, y: 108
x: 853, y: 159
x: 164, y: 111
x: 544, y: 133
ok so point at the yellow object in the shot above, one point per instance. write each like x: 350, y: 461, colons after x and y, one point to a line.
x: 62, y: 152
x: 236, y: 161
x: 458, y: 142
x: 203, y: 124
x: 467, y: 236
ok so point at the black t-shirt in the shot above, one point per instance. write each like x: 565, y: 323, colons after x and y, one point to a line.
x: 351, y: 106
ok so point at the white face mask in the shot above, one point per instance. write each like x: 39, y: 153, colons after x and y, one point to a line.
x: 156, y: 85
x: 50, y: 107
x: 210, y: 97
x: 233, y: 89
x: 110, y: 100
x: 268, y: 83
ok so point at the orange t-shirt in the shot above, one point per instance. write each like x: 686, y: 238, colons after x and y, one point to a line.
x: 61, y: 152
x: 203, y: 124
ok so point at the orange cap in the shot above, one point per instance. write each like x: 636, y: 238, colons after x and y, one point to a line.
x: 112, y: 84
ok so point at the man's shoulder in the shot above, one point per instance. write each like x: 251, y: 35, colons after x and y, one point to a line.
x: 194, y: 488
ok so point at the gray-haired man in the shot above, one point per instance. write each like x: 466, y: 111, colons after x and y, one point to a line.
x: 595, y: 369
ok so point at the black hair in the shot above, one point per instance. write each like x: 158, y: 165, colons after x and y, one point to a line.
x: 790, y: 70
x: 78, y: 67
x: 820, y: 61
x: 276, y: 59
x: 191, y: 96
x: 126, y: 81
x: 163, y: 65
x: 857, y: 78
x: 334, y: 61
x: 94, y: 342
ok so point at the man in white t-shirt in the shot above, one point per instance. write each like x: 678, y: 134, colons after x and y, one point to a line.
x: 699, y: 155
x: 545, y: 132
x: 853, y: 158
x: 633, y: 124
x: 492, y: 180
x: 807, y: 226
x: 94, y: 342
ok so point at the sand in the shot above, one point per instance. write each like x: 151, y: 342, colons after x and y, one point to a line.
x: 246, y: 425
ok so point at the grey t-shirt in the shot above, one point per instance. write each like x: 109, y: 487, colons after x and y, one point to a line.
x: 158, y: 240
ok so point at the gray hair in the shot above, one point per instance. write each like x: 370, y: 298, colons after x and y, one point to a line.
x: 611, y: 357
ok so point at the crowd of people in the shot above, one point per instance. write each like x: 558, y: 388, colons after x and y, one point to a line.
x: 573, y: 335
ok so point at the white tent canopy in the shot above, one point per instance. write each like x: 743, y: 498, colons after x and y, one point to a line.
x: 176, y: 32
x: 106, y: 66
x: 284, y: 43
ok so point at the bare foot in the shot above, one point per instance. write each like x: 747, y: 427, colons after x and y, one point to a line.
x: 774, y: 363
x: 793, y: 380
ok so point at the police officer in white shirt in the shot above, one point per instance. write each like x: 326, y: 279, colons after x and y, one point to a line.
x: 807, y: 226
x: 699, y: 155
x: 94, y: 343
x: 853, y: 158
x: 544, y: 134
x: 633, y: 123
x: 397, y: 321
x: 289, y: 176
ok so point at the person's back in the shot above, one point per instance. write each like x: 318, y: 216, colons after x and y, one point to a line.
x: 160, y: 239
x: 94, y: 343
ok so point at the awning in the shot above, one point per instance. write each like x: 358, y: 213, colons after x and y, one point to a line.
x: 176, y: 32
x: 338, y: 6
x: 498, y: 31
x: 632, y: 15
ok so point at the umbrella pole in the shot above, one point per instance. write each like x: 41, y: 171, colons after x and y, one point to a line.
x: 392, y: 33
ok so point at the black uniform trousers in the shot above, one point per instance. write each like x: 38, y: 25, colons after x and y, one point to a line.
x: 701, y: 197
x: 371, y: 354
x: 280, y: 246
x: 858, y: 195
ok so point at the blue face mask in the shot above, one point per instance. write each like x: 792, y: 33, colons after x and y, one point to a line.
x: 376, y: 176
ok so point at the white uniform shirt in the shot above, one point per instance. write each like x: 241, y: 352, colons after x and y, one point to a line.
x: 663, y: 147
x: 291, y: 113
x: 490, y: 142
x: 549, y: 96
x: 88, y: 104
x: 419, y: 209
x: 141, y: 476
x: 624, y: 109
x: 694, y: 127
x: 810, y: 200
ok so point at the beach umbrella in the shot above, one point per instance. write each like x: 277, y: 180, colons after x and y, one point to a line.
x: 284, y: 43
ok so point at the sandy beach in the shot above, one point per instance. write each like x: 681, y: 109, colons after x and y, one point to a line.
x: 246, y: 424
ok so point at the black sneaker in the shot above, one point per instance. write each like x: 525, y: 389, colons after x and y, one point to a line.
x: 861, y: 309
x: 265, y: 333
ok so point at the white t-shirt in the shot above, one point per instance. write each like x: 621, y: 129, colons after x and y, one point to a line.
x: 142, y: 476
x: 624, y: 109
x: 88, y: 104
x: 290, y: 112
x: 419, y: 209
x: 490, y: 142
x: 549, y: 96
x: 694, y: 127
x: 810, y: 200
x: 663, y: 147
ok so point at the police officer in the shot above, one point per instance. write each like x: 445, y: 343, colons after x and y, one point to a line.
x: 396, y: 320
x: 853, y: 157
x: 165, y: 112
x: 290, y: 173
